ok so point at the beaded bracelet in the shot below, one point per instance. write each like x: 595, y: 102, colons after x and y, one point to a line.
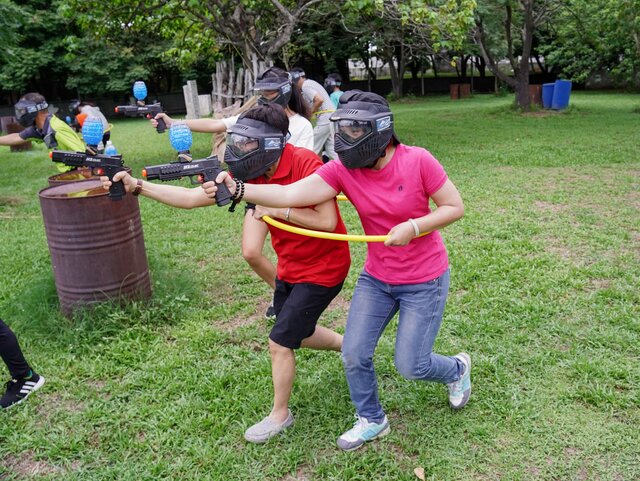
x: 238, y: 194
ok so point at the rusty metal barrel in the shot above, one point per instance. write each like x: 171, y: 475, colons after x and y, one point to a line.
x: 96, y: 245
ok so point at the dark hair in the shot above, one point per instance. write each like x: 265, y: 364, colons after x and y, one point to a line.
x: 34, y: 97
x: 271, y: 114
x: 296, y: 103
x: 335, y: 76
x: 298, y: 70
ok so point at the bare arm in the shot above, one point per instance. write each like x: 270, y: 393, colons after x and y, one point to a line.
x: 450, y: 208
x: 311, y: 190
x: 196, y: 125
x: 321, y: 217
x: 172, y: 195
x: 12, y: 139
x: 317, y: 103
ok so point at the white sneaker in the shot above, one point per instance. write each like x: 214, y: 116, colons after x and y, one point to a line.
x: 361, y: 432
x: 460, y: 390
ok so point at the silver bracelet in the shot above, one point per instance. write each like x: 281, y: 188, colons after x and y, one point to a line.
x: 286, y: 214
x: 416, y: 229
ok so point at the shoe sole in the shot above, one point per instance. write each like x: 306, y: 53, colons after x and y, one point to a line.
x: 382, y: 433
x: 38, y: 385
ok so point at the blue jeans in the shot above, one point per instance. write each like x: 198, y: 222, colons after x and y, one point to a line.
x: 373, y: 305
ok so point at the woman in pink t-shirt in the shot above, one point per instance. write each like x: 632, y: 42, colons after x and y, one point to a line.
x: 390, y: 185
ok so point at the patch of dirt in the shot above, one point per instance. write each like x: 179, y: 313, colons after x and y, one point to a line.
x: 10, y: 200
x: 54, y: 403
x: 97, y: 384
x: 599, y: 284
x: 302, y: 474
x: 25, y: 464
x: 548, y: 206
x: 534, y: 471
x: 240, y: 321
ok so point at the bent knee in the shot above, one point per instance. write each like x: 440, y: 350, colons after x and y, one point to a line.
x: 409, y: 369
x: 352, y: 359
x: 275, y: 348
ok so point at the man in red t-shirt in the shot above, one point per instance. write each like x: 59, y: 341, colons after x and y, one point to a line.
x: 310, y: 271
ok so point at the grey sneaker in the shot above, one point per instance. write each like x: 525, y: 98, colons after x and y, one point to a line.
x: 361, y: 432
x: 460, y: 390
x: 266, y: 429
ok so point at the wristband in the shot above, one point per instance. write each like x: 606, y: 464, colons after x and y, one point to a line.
x: 286, y: 215
x: 416, y: 229
x: 138, y: 188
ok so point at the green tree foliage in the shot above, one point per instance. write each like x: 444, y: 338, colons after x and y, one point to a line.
x: 254, y: 30
x: 34, y: 48
x: 404, y: 29
x: 591, y: 36
x: 322, y: 40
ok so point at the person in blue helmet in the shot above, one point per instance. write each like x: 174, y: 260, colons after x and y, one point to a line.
x: 332, y: 83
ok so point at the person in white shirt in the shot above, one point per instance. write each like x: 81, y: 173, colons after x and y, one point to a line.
x: 321, y: 107
x: 274, y: 85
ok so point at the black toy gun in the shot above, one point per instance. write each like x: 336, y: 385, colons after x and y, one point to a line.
x: 149, y: 111
x: 204, y: 169
x: 99, y: 164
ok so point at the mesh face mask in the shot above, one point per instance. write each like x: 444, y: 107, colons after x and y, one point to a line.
x: 26, y: 111
x: 252, y: 148
x: 361, y: 136
x: 267, y: 87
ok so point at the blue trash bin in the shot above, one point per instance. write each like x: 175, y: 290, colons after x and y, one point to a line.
x: 547, y: 95
x: 561, y: 94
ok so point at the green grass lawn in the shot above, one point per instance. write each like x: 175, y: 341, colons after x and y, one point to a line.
x: 544, y: 296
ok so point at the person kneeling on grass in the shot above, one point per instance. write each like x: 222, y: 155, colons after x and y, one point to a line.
x: 23, y: 379
x: 310, y: 271
x: 390, y: 185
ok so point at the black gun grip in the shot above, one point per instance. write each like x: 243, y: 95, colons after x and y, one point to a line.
x: 162, y: 126
x: 223, y: 195
x: 117, y: 190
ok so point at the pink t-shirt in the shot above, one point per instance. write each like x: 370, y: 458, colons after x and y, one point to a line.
x: 385, y: 198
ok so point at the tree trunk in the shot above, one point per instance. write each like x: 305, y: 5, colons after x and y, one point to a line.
x: 463, y: 66
x: 482, y: 65
x: 523, y: 98
x: 396, y: 72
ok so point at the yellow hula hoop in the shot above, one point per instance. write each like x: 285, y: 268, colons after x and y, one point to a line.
x: 327, y: 235
x: 324, y: 235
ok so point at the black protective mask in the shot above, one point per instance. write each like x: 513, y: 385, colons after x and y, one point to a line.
x: 252, y: 148
x: 27, y: 111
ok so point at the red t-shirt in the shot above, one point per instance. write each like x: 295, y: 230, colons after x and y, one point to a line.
x: 302, y: 258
